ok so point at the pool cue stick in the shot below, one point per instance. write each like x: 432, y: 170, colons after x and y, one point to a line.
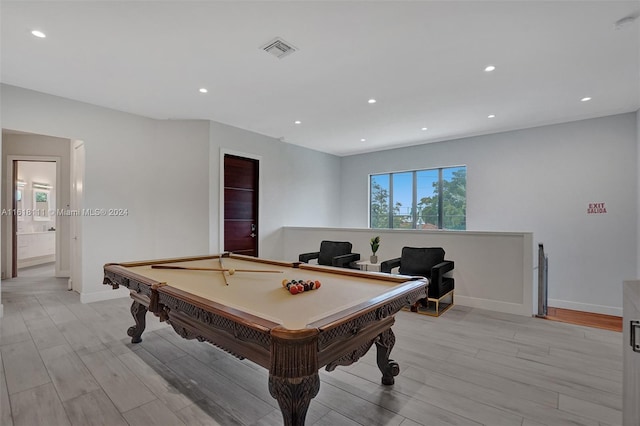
x: 189, y: 268
x: 223, y: 275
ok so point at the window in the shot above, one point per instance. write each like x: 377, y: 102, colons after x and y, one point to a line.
x: 419, y: 199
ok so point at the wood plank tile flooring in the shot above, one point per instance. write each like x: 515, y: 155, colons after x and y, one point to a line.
x: 65, y: 363
x: 589, y: 319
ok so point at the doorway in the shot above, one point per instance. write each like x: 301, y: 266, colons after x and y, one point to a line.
x: 34, y: 224
x: 241, y: 176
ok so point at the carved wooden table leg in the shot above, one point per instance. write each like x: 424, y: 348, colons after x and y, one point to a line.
x: 388, y: 367
x: 139, y: 312
x: 293, y: 372
x: 294, y: 396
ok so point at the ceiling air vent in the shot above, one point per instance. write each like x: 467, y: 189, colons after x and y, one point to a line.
x: 279, y: 48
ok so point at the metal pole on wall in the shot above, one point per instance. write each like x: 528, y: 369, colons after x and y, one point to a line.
x: 543, y: 277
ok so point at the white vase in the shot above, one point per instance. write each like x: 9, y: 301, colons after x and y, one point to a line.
x: 373, y: 258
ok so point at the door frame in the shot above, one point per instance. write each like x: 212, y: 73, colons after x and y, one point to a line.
x: 258, y: 158
x: 10, y: 194
x: 76, y: 201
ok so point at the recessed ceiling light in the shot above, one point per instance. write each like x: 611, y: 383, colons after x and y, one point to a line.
x: 372, y: 101
x: 491, y: 116
x: 585, y: 99
x: 39, y: 34
x: 424, y: 128
x: 297, y: 122
x: 490, y: 68
x: 203, y: 90
x: 363, y: 140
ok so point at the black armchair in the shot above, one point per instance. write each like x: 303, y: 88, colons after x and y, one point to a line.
x: 333, y: 253
x: 426, y: 262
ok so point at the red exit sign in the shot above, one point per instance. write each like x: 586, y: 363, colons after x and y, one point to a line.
x: 596, y: 208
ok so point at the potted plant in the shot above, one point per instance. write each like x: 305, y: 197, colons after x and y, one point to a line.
x: 375, y: 245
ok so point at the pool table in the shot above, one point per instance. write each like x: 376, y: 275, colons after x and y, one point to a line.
x: 238, y: 303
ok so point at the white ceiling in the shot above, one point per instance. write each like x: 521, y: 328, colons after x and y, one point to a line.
x: 422, y: 60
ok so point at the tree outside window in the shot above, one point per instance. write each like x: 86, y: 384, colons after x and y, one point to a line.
x: 420, y: 199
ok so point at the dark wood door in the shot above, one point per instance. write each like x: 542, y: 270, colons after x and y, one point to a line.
x: 241, y: 205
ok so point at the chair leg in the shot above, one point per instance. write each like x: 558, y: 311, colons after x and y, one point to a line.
x: 447, y: 307
x: 422, y: 305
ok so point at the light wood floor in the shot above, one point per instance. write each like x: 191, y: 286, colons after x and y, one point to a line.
x: 607, y: 322
x: 64, y: 363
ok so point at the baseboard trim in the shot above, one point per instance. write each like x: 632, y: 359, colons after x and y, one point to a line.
x: 98, y: 296
x: 494, y: 305
x: 585, y: 307
x: 64, y: 273
x: 37, y: 260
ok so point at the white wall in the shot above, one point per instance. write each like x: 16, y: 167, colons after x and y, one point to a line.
x: 166, y: 173
x: 539, y: 180
x: 300, y: 187
x: 38, y: 145
x: 158, y: 170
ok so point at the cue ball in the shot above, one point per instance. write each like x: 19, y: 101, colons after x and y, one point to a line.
x: 232, y: 271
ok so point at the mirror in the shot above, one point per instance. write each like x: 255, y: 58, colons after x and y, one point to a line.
x: 41, y: 204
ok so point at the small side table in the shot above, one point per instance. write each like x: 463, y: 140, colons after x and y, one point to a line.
x: 366, y: 265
